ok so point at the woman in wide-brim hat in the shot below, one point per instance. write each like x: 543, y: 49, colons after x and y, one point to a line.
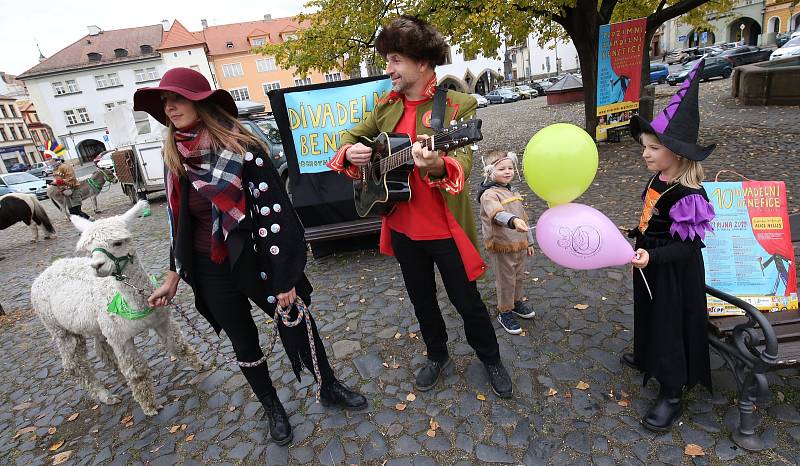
x: 236, y: 237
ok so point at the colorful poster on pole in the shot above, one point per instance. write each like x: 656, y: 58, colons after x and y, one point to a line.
x: 619, y: 73
x: 318, y: 116
x: 750, y: 253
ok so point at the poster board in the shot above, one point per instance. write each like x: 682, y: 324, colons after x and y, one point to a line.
x: 750, y: 253
x: 619, y: 74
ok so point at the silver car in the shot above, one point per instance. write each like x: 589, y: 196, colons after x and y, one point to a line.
x: 24, y: 182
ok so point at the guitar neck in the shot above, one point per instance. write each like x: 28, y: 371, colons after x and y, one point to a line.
x: 401, y: 157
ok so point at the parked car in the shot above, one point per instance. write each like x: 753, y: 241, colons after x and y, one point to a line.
x: 539, y: 86
x: 105, y: 161
x: 502, y: 96
x: 41, y: 169
x: 746, y: 54
x: 658, y: 73
x: 789, y: 49
x: 24, y: 183
x: 525, y: 91
x: 482, y: 101
x: 783, y: 38
x: 19, y: 167
x: 253, y: 117
x: 714, y: 67
x: 4, y: 190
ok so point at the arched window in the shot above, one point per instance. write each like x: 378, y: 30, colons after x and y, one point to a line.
x: 94, y: 56
x: 119, y: 53
x: 146, y: 49
x: 774, y: 24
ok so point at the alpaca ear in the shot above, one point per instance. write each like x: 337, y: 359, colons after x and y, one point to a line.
x: 80, y: 223
x: 134, y: 212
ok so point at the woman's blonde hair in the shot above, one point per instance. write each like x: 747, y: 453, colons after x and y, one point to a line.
x: 691, y: 172
x: 224, y: 130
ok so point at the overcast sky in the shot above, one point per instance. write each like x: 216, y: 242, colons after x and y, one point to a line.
x: 57, y: 24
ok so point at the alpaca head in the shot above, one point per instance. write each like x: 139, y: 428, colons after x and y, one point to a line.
x: 111, y: 234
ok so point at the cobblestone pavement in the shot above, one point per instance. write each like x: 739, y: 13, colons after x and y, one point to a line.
x: 372, y: 337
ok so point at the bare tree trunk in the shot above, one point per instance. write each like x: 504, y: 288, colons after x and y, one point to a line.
x: 648, y: 37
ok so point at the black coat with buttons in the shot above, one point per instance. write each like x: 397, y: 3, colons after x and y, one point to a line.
x: 266, y: 252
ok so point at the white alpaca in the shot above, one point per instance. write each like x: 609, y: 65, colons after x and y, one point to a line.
x: 71, y: 298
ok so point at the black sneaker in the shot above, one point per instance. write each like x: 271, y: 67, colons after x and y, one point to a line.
x: 509, y: 323
x: 429, y: 374
x: 500, y: 380
x: 521, y: 309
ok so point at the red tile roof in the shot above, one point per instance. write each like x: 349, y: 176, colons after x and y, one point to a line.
x: 217, y: 37
x: 179, y: 36
x: 75, y: 56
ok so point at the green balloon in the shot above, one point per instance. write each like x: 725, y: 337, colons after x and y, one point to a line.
x: 560, y: 162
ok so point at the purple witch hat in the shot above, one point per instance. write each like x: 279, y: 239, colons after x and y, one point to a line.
x: 678, y: 124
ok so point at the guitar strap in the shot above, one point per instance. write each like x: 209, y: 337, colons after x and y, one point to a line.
x: 439, y: 104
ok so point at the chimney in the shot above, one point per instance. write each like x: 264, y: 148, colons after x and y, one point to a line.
x: 204, y: 23
x: 165, y: 24
x: 267, y: 17
x: 94, y: 30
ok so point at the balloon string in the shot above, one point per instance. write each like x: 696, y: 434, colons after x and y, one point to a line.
x: 646, y: 284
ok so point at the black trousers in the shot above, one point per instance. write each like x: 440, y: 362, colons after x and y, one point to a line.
x: 230, y: 307
x: 76, y: 210
x: 417, y: 259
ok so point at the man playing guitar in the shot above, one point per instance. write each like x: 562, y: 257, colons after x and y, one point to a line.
x: 436, y: 226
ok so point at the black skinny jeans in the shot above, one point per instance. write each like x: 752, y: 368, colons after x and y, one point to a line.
x: 417, y: 259
x: 76, y: 210
x: 230, y: 307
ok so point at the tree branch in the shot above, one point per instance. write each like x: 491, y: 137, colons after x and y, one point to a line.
x: 673, y: 11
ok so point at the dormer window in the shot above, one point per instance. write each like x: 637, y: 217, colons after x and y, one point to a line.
x: 94, y: 56
x: 229, y: 44
x: 119, y: 53
x: 257, y: 42
x: 146, y: 49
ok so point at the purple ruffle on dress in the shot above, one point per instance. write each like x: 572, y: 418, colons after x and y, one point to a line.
x: 691, y: 217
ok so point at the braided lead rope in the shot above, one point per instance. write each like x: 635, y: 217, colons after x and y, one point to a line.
x: 217, y: 345
x: 302, y: 314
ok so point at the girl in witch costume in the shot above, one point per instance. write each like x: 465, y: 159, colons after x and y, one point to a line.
x: 236, y: 238
x: 670, y: 326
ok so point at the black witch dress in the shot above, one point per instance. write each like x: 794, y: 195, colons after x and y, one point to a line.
x: 670, y: 340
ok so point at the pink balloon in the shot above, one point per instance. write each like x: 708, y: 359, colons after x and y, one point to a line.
x: 581, y: 237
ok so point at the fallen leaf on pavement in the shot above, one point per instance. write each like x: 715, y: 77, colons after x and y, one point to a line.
x: 62, y: 457
x: 624, y: 403
x: 397, y: 335
x: 51, y: 431
x: 126, y: 419
x: 694, y: 450
x: 431, y: 433
x: 412, y: 335
x: 434, y: 425
x: 781, y: 396
x: 24, y: 431
x: 411, y: 397
x: 481, y: 396
x: 552, y: 392
x: 400, y: 406
x: 582, y: 385
x: 56, y: 445
x: 385, y: 365
x: 95, y: 407
x: 581, y: 307
x: 174, y: 429
x: 190, y: 437
x: 73, y: 416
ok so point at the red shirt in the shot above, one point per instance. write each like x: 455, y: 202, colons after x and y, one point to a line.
x: 424, y: 216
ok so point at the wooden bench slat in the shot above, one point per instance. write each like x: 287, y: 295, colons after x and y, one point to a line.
x: 722, y: 325
x: 343, y: 229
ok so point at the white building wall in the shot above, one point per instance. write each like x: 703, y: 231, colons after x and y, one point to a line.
x: 540, y: 57
x: 190, y: 57
x: 51, y: 107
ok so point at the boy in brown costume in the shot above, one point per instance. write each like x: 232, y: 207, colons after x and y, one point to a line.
x: 506, y: 235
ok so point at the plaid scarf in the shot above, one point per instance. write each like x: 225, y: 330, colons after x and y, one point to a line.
x: 217, y: 176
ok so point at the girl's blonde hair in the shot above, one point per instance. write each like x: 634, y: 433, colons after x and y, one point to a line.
x: 691, y: 172
x: 492, y: 157
x: 224, y: 130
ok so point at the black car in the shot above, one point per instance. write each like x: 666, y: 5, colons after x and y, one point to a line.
x: 538, y: 87
x: 746, y: 54
x: 19, y: 167
x: 714, y: 67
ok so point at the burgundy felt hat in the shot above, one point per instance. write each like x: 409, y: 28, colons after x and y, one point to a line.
x: 186, y: 82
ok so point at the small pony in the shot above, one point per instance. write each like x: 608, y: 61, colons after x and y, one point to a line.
x: 25, y: 208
